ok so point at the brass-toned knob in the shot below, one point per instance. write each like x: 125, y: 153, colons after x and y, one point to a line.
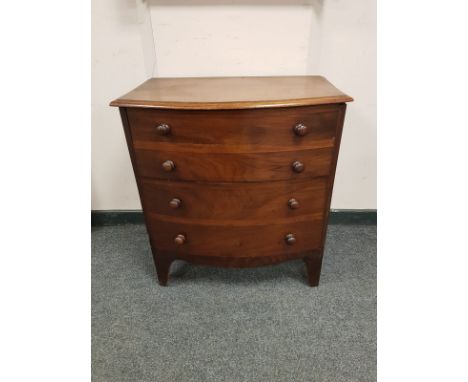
x: 168, y: 166
x: 300, y: 129
x: 298, y: 166
x: 163, y: 129
x: 290, y: 238
x: 175, y: 203
x: 293, y: 203
x: 179, y: 239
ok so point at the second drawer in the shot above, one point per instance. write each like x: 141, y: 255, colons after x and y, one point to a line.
x: 233, y: 167
x: 235, y: 200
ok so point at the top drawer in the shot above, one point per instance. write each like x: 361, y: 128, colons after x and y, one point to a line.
x: 276, y: 127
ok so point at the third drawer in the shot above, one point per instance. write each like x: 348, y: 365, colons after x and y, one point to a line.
x: 256, y: 200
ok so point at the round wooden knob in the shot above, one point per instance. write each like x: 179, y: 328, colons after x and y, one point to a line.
x: 179, y: 239
x: 290, y: 238
x: 293, y: 204
x: 168, y: 166
x: 298, y: 166
x: 163, y: 129
x: 300, y: 129
x: 175, y: 203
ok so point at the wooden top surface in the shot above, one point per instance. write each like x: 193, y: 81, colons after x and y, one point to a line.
x: 232, y: 93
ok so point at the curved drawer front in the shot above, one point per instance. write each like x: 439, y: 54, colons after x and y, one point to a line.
x: 235, y: 127
x: 233, y: 167
x: 223, y: 238
x: 274, y: 200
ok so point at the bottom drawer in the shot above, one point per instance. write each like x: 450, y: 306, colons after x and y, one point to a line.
x: 236, y: 239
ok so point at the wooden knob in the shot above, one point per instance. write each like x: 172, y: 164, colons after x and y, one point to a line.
x: 298, y: 166
x: 293, y: 204
x: 175, y: 203
x: 179, y: 239
x: 163, y: 129
x: 290, y: 238
x: 168, y: 166
x: 300, y: 129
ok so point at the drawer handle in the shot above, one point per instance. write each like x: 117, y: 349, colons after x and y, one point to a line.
x: 175, y: 203
x: 180, y: 239
x: 293, y: 203
x: 298, y: 166
x: 300, y: 129
x: 168, y: 166
x: 290, y: 239
x: 163, y: 129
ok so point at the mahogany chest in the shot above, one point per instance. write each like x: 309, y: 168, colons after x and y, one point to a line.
x: 235, y: 171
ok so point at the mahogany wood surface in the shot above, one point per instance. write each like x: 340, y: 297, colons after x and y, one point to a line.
x: 268, y: 200
x: 232, y: 93
x: 232, y: 167
x: 236, y: 127
x: 331, y: 178
x: 217, y: 182
x: 313, y: 262
x: 312, y: 259
x: 228, y: 238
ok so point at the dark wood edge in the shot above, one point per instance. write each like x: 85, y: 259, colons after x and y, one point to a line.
x: 331, y: 178
x: 129, y: 139
x: 230, y: 105
x: 243, y: 262
x: 120, y: 217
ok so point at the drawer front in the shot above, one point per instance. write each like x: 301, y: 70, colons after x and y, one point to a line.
x: 233, y: 240
x: 236, y: 127
x: 264, y: 200
x: 232, y: 167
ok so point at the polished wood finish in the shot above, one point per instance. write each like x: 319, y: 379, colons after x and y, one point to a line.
x: 298, y: 166
x: 230, y: 201
x: 175, y: 203
x: 163, y: 129
x: 313, y: 263
x: 180, y: 239
x: 290, y: 239
x: 237, y: 178
x: 235, y: 238
x: 293, y: 204
x: 163, y: 263
x: 300, y: 129
x: 246, y: 128
x: 232, y: 93
x: 168, y: 166
x: 234, y: 167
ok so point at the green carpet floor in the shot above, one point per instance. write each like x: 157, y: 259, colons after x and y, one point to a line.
x: 213, y: 324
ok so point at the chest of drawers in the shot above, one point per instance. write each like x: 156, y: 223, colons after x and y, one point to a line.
x: 235, y: 172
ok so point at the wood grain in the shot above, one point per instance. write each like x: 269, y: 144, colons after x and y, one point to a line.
x: 213, y: 93
x: 236, y: 127
x: 228, y: 167
x: 228, y: 194
x: 218, y: 238
x: 239, y: 262
x: 267, y: 200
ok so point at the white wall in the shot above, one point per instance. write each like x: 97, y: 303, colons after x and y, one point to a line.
x: 135, y: 40
x: 117, y: 66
